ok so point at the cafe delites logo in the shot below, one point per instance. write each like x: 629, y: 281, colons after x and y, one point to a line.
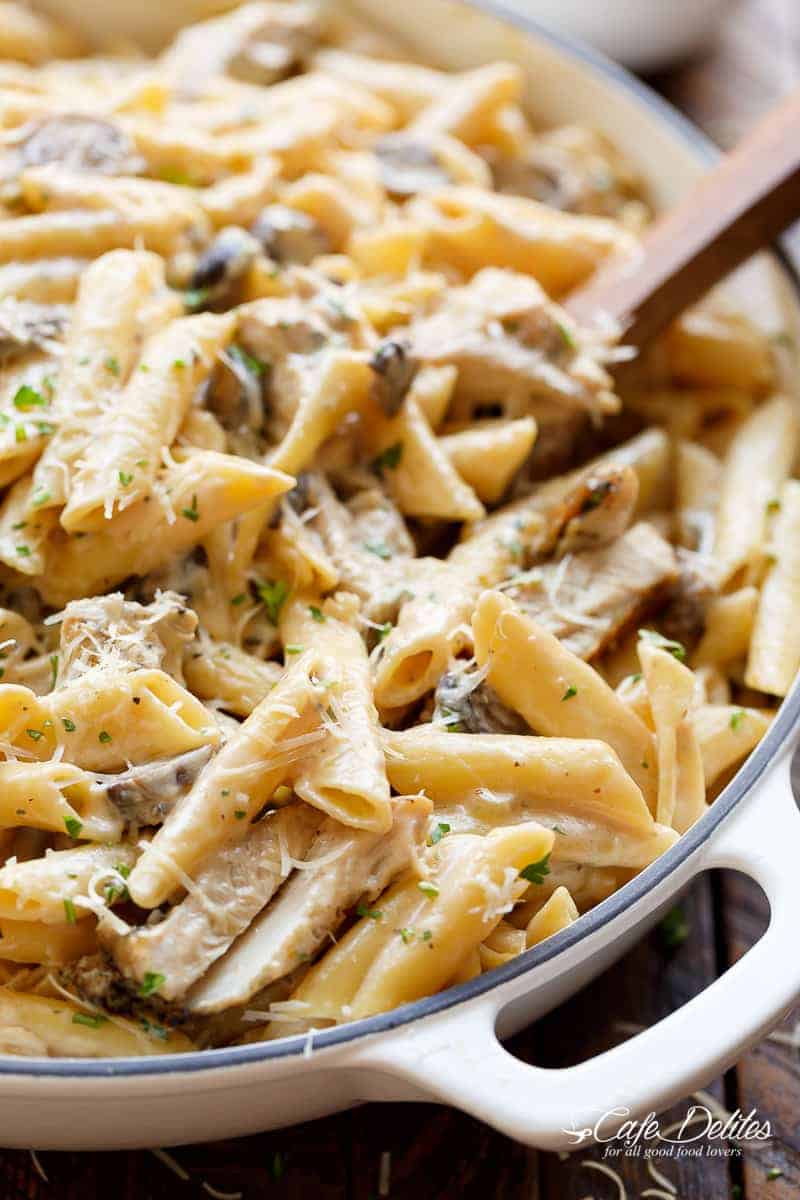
x: 702, y: 1132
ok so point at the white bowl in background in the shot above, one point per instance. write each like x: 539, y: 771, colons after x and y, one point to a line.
x: 642, y: 34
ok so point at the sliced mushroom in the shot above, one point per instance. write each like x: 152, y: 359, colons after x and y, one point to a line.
x: 229, y: 891
x: 97, y: 980
x: 112, y: 631
x: 684, y: 617
x: 26, y: 326
x: 394, y: 368
x: 146, y: 793
x: 352, y: 865
x: 76, y: 141
x: 603, y: 505
x: 409, y: 165
x: 464, y: 703
x: 288, y: 235
x: 588, y: 600
x: 221, y: 268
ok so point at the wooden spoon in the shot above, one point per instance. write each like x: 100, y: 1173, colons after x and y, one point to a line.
x: 739, y: 208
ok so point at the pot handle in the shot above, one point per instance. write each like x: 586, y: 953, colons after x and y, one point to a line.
x: 456, y: 1057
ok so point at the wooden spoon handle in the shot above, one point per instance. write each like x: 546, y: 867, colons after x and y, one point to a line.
x: 739, y: 208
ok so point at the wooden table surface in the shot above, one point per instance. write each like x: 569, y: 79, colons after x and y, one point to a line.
x: 438, y: 1154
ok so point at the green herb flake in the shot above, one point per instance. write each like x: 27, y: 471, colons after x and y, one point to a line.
x: 276, y: 1166
x: 374, y: 914
x: 774, y: 1173
x: 20, y: 434
x: 191, y: 514
x: 294, y: 648
x: 240, y: 814
x: 653, y: 638
x: 155, y: 1030
x: 674, y: 928
x: 252, y: 364
x: 773, y: 505
x: 69, y: 912
x: 316, y: 614
x: 569, y: 693
x: 567, y: 336
x: 23, y: 551
x: 41, y: 497
x: 438, y: 832
x: 27, y: 397
x: 388, y: 459
x: 428, y: 889
x: 535, y: 872
x: 68, y: 724
x: 407, y: 935
x: 112, y: 364
x: 35, y: 734
x: 53, y: 670
x: 73, y: 826
x: 90, y: 1020
x: 378, y: 548
x: 195, y: 298
x: 240, y: 599
x: 104, y: 736
x: 273, y: 595
x: 125, y: 478
x: 178, y: 365
x: 737, y: 718
x: 384, y: 631
x: 151, y: 983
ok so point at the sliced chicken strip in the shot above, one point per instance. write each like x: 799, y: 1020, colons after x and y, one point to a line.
x: 352, y: 864
x: 111, y: 631
x: 229, y: 891
x: 589, y: 599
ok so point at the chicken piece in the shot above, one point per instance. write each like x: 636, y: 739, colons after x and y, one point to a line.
x: 288, y: 235
x: 409, y: 165
x: 259, y: 43
x: 26, y: 326
x: 229, y: 891
x: 76, y: 141
x: 598, y: 510
x: 146, y: 793
x: 352, y: 865
x: 464, y: 703
x: 684, y: 617
x: 587, y: 600
x: 111, y: 631
x: 512, y: 347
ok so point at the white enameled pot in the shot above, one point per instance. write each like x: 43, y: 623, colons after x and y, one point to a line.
x: 446, y: 1048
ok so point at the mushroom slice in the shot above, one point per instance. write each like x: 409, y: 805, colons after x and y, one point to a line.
x: 221, y: 268
x: 598, y: 510
x: 464, y: 703
x: 26, y: 326
x: 111, y: 631
x: 288, y: 235
x: 409, y: 165
x: 344, y: 866
x: 684, y: 618
x: 76, y: 141
x: 587, y: 600
x: 146, y: 793
x: 394, y: 368
x: 230, y: 889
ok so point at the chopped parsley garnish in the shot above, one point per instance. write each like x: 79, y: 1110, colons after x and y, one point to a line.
x: 384, y: 631
x: 566, y: 336
x: 73, y: 826
x: 240, y: 599
x: 23, y: 551
x: 90, y: 1020
x: 68, y: 724
x: 653, y: 638
x: 53, y: 670
x: 252, y: 364
x: 535, y: 872
x: 178, y: 364
x: 195, y: 298
x: 112, y: 364
x: 240, y: 814
x: 155, y: 1030
x: 374, y: 914
x: 294, y: 648
x: 20, y: 434
x: 316, y: 613
x: 151, y: 983
x: 388, y: 459
x: 737, y: 718
x: 276, y: 1167
x: 125, y: 478
x: 69, y: 912
x: 773, y: 505
x: 273, y: 595
x: 569, y: 693
x: 104, y: 736
x: 27, y: 397
x: 674, y: 928
x: 191, y: 514
x: 774, y: 1173
x: 407, y: 935
x: 438, y: 832
x: 428, y: 889
x: 40, y: 498
x: 36, y: 734
x: 379, y: 548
